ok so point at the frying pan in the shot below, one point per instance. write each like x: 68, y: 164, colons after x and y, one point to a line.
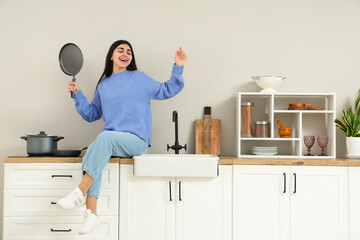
x: 68, y: 153
x: 71, y: 60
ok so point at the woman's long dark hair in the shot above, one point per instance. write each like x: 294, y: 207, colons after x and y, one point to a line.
x: 109, y: 63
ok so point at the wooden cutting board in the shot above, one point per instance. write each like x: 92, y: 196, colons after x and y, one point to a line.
x: 207, y: 135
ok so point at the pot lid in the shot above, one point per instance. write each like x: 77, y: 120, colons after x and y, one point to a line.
x: 41, y: 134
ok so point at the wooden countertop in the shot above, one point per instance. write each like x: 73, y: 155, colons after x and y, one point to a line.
x: 293, y: 162
x: 61, y: 160
x: 224, y: 160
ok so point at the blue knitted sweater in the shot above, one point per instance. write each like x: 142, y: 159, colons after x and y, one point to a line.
x: 123, y: 100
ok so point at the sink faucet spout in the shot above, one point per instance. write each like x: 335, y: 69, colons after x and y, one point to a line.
x: 177, y: 146
x: 175, y: 120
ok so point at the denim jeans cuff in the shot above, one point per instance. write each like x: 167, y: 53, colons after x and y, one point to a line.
x: 92, y: 195
x: 88, y: 172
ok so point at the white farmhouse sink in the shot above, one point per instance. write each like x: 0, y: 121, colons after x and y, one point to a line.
x: 176, y: 165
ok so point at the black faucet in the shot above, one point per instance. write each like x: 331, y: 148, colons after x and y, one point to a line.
x: 176, y: 147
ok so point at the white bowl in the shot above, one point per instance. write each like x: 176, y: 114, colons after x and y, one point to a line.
x: 268, y: 83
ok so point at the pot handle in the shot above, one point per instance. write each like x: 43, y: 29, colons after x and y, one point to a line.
x: 58, y: 138
x: 24, y: 137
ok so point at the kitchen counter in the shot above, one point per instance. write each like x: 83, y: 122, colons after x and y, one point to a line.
x: 224, y: 160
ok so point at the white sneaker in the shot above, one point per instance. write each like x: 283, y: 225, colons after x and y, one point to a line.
x: 72, y: 200
x: 91, y: 221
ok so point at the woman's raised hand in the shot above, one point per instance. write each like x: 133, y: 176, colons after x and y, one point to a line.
x: 180, y: 57
x: 73, y: 87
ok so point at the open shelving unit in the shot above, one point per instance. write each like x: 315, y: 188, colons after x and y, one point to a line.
x: 274, y: 106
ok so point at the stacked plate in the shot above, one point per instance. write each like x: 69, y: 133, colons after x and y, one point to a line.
x: 257, y: 150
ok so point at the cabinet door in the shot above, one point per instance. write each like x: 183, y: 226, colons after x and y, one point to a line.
x: 319, y: 205
x: 260, y: 203
x: 203, y: 207
x: 53, y: 176
x: 55, y: 227
x: 146, y: 209
x: 354, y: 202
x: 29, y: 203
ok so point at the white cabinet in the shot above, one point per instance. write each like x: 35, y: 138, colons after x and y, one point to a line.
x: 204, y: 211
x: 274, y: 106
x: 319, y: 203
x: 53, y: 176
x: 297, y: 203
x: 354, y: 202
x: 175, y: 208
x: 51, y: 228
x: 260, y: 203
x: 243, y: 203
x: 145, y: 206
x: 30, y: 194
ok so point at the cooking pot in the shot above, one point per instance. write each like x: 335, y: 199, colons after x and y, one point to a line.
x: 41, y: 144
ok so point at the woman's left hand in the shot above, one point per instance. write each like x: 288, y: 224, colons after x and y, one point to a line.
x: 180, y: 57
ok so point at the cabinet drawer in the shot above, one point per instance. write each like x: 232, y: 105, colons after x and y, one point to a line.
x: 39, y: 203
x: 53, y: 176
x: 39, y: 228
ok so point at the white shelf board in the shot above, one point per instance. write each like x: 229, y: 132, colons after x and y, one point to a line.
x: 304, y: 94
x: 286, y: 94
x: 256, y: 93
x: 318, y: 157
x: 304, y: 111
x: 268, y: 139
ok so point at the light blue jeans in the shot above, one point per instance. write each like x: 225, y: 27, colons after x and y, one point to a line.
x: 107, y: 144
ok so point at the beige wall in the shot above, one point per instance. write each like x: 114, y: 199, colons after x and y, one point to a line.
x: 315, y: 44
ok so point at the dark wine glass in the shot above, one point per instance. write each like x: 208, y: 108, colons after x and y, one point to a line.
x: 309, y: 142
x: 323, y: 141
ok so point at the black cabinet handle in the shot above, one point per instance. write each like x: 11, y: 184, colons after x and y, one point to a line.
x: 284, y: 175
x: 294, y: 183
x: 53, y: 202
x: 60, y: 230
x: 180, y: 199
x: 170, y: 191
x: 54, y: 176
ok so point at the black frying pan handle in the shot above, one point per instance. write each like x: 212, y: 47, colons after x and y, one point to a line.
x: 72, y: 93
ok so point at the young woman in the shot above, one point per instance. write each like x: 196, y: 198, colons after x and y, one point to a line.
x: 122, y: 98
